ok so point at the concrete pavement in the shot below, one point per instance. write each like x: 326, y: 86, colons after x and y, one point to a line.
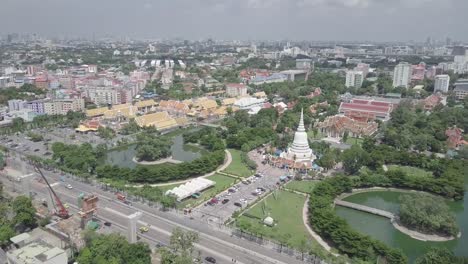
x: 215, y: 240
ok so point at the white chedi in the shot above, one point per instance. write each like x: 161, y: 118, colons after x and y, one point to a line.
x: 300, y: 150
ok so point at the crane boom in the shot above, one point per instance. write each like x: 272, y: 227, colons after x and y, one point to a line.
x: 62, y: 212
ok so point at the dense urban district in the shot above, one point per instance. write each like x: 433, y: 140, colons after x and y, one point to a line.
x: 177, y: 151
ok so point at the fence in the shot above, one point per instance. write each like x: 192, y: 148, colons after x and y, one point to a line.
x: 233, y: 232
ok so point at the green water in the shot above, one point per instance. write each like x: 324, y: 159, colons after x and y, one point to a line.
x: 381, y: 228
x: 123, y: 157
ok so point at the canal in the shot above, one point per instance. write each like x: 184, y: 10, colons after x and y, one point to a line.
x: 380, y: 228
x: 123, y: 157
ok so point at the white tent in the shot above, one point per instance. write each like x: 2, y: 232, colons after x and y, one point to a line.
x: 187, y: 189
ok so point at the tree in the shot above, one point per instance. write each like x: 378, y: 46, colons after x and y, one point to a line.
x: 427, y: 214
x: 182, y: 242
x: 304, y: 247
x: 6, y: 232
x: 113, y: 248
x: 440, y: 256
x: 345, y: 136
x: 354, y: 158
x: 168, y: 201
x: 24, y: 212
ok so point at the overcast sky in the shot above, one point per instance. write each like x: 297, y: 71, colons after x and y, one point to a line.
x: 375, y: 20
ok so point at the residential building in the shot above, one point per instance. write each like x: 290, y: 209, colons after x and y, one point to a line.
x: 62, y: 106
x: 363, y: 67
x: 303, y: 64
x: 16, y: 105
x: 442, y: 83
x: 3, y: 81
x: 274, y: 78
x: 354, y: 79
x: 418, y: 72
x: 236, y: 89
x: 36, y: 106
x: 103, y: 95
x: 402, y: 75
x: 38, y: 252
x: 461, y: 89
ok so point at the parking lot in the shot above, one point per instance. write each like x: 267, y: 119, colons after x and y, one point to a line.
x: 242, y: 194
x: 21, y: 143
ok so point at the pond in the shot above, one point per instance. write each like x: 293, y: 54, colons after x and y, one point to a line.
x: 381, y: 228
x: 123, y: 157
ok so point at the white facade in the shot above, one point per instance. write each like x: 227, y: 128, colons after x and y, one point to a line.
x: 235, y: 90
x: 442, y: 83
x: 300, y: 149
x: 402, y: 75
x: 248, y: 103
x: 354, y: 79
x: 37, y: 253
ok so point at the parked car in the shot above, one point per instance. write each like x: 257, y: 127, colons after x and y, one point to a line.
x: 69, y: 186
x: 238, y: 204
x: 210, y: 259
x: 144, y: 229
x: 107, y: 223
x: 225, y: 201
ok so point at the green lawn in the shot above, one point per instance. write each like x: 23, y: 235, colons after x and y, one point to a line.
x: 417, y: 172
x: 286, y: 210
x: 301, y: 186
x: 222, y: 183
x: 319, y: 135
x: 354, y: 141
x: 237, y: 167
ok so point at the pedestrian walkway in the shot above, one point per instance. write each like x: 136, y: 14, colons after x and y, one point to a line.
x: 366, y: 209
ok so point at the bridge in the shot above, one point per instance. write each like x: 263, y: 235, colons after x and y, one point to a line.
x: 366, y: 209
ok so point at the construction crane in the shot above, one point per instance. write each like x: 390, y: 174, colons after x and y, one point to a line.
x: 61, y: 211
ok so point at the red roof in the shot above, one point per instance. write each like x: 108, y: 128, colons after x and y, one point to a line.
x: 365, y: 107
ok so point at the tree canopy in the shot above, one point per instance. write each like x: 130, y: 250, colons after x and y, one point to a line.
x: 428, y: 214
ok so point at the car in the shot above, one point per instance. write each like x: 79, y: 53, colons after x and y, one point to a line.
x: 66, y: 206
x: 69, y: 186
x: 232, y: 190
x: 241, y: 200
x: 225, y: 201
x: 36, y: 150
x: 107, y: 223
x: 238, y: 204
x: 214, y: 200
x: 210, y: 259
x: 254, y: 193
x: 261, y: 189
x: 144, y: 229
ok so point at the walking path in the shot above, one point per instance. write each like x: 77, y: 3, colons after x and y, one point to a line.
x: 227, y: 162
x: 366, y: 209
x: 305, y: 218
x: 159, y: 161
x: 393, y: 218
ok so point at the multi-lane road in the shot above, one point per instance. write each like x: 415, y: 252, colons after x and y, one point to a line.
x: 214, y: 242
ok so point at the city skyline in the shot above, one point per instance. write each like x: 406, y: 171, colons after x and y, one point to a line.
x: 349, y: 20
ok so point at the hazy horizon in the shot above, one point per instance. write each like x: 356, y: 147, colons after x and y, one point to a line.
x: 332, y: 20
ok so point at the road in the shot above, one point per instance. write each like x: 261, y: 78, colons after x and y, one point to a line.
x: 213, y: 242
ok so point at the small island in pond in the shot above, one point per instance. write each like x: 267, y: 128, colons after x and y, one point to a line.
x: 427, y: 214
x: 152, y: 148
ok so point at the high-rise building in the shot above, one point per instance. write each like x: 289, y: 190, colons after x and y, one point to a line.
x: 354, y: 79
x: 442, y: 83
x: 402, y: 75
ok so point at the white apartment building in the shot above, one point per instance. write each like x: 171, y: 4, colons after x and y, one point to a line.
x: 103, y: 95
x: 442, y: 83
x: 402, y: 75
x: 236, y: 89
x: 354, y: 79
x: 62, y: 106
